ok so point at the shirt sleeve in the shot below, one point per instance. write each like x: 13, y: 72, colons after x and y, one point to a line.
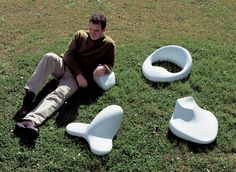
x: 70, y: 55
x: 110, y: 58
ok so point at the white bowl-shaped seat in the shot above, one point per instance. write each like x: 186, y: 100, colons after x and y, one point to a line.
x: 105, y: 81
x: 171, y: 53
x: 100, y: 132
x: 192, y: 123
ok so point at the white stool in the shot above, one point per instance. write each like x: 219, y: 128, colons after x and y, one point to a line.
x: 192, y: 123
x: 100, y: 132
x: 105, y: 81
x: 171, y: 53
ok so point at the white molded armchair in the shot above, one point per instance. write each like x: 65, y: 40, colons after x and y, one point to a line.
x: 100, y: 132
x: 105, y: 81
x: 171, y: 53
x: 192, y: 123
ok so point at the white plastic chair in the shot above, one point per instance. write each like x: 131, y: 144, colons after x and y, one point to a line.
x: 100, y: 132
x: 171, y: 53
x: 105, y: 81
x: 192, y: 123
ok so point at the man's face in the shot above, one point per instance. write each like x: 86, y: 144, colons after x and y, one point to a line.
x: 95, y: 31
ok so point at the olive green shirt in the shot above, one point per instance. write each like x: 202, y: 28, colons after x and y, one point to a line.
x: 84, y: 54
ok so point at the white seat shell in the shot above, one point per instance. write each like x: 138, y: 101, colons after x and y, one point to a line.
x: 170, y: 53
x: 105, y: 81
x: 192, y: 123
x: 100, y: 132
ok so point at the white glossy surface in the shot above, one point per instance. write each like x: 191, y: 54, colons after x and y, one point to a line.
x: 171, y: 53
x: 192, y: 123
x: 105, y: 81
x: 100, y: 132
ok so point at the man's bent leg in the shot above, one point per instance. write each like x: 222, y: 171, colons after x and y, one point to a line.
x: 51, y: 64
x: 52, y: 102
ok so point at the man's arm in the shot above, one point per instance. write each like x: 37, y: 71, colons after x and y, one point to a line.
x: 71, y: 62
x: 108, y: 63
x: 70, y: 55
x: 110, y: 57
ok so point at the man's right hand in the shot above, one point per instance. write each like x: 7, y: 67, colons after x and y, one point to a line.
x: 82, y: 82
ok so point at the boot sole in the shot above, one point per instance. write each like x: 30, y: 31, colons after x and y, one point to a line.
x: 29, y: 133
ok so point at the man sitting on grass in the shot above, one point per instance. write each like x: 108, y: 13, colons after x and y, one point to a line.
x: 89, y: 53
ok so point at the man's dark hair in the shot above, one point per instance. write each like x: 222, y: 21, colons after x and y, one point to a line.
x: 99, y: 19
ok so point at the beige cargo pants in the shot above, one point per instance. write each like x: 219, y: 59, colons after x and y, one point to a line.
x: 51, y: 64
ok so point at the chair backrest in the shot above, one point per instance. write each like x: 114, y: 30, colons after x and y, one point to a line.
x: 184, y: 109
x: 173, y: 53
x: 106, y: 81
x: 107, y: 123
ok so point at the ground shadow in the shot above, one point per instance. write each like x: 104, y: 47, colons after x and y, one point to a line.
x: 24, y: 140
x: 49, y: 87
x: 157, y: 85
x: 83, y: 142
x: 193, y: 147
x: 70, y: 110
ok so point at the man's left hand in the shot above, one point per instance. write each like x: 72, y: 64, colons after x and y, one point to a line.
x: 100, y: 70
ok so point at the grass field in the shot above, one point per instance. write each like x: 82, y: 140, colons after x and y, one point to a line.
x: 207, y: 29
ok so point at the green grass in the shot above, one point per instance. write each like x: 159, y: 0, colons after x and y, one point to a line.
x: 207, y: 29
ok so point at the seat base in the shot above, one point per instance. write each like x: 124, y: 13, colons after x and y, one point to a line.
x: 192, y: 123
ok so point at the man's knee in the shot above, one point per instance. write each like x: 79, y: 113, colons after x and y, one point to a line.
x: 51, y: 57
x: 54, y: 62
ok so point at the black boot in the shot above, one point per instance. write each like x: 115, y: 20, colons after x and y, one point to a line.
x: 26, y: 129
x: 27, y: 105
